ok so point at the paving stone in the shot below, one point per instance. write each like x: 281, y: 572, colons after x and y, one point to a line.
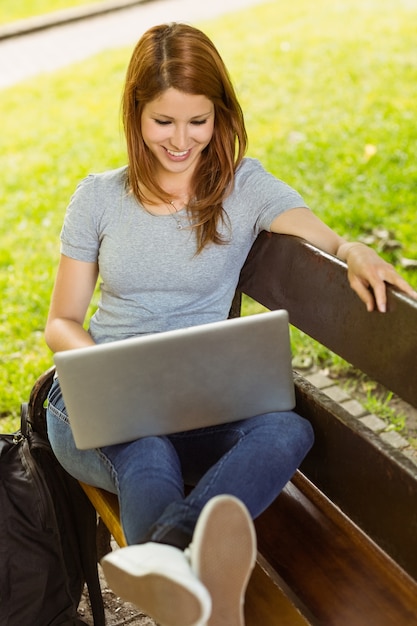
x: 337, y: 394
x: 319, y: 380
x: 394, y: 439
x: 355, y: 408
x: 374, y: 423
x: 411, y: 453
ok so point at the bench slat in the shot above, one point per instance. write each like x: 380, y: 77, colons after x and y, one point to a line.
x: 331, y: 566
x: 107, y: 506
x: 266, y: 603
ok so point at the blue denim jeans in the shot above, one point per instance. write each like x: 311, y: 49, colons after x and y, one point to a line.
x: 251, y: 459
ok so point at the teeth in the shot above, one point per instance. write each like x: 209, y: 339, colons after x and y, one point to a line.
x: 177, y: 154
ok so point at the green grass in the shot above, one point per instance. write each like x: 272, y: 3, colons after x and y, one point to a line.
x: 318, y: 82
x: 11, y: 10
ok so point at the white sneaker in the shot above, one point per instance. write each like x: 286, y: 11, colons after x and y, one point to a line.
x: 159, y: 580
x: 223, y: 555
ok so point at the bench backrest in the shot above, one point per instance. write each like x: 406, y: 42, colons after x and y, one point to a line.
x: 374, y: 484
x: 287, y: 272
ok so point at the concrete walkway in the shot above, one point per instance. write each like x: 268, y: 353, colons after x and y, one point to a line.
x: 47, y: 49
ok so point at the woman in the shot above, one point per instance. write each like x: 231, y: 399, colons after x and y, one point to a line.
x: 168, y: 235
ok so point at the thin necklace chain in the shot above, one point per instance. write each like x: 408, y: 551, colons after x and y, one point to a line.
x: 175, y: 216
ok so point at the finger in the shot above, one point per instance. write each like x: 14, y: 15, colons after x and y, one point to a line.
x: 389, y: 275
x: 380, y: 294
x: 376, y: 282
x: 363, y: 291
x: 397, y: 281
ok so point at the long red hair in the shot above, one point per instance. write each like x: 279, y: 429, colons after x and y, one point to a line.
x: 183, y: 57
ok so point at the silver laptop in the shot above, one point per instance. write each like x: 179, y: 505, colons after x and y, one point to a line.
x: 177, y: 380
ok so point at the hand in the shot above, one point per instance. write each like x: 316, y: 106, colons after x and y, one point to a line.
x: 368, y: 273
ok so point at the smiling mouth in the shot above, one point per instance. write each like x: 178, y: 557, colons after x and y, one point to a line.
x: 177, y: 155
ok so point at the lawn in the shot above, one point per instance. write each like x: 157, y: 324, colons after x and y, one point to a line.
x: 329, y: 90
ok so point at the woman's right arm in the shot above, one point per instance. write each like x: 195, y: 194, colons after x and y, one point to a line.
x: 74, y: 287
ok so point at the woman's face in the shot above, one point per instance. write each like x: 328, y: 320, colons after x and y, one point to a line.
x: 177, y: 127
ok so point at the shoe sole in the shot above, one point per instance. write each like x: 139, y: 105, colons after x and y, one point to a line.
x: 223, y: 554
x: 160, y: 597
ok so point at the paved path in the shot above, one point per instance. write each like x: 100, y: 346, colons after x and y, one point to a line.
x: 47, y: 50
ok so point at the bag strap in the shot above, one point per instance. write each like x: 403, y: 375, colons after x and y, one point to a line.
x: 33, y: 427
x: 24, y: 420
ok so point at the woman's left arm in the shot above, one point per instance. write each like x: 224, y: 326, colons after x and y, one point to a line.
x: 366, y: 269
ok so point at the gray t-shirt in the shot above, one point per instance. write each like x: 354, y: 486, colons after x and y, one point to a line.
x: 152, y: 280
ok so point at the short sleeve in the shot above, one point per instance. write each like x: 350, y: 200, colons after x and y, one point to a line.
x: 264, y: 195
x: 80, y: 238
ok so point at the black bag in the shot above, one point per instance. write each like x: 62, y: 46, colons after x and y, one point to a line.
x: 47, y: 536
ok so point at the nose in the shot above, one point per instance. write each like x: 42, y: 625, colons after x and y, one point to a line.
x: 179, y: 138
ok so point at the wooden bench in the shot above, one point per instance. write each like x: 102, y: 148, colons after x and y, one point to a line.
x: 339, y: 546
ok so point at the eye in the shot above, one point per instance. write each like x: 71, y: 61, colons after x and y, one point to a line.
x: 198, y: 122
x: 162, y: 122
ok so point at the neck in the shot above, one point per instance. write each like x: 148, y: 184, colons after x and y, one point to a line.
x: 176, y: 185
x: 178, y: 195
